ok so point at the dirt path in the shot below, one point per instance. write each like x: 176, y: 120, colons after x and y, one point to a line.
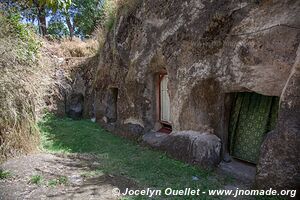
x: 59, y: 176
x: 67, y: 176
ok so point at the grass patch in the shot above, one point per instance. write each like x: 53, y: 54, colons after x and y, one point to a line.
x: 39, y: 180
x: 147, y: 167
x: 20, y: 86
x: 36, y: 179
x: 62, y: 180
x: 4, y: 174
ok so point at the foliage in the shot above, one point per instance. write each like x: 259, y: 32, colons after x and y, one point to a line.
x: 26, y: 73
x: 57, y: 29
x: 110, y: 9
x: 27, y: 43
x: 62, y: 180
x: 21, y: 87
x: 86, y: 14
x: 36, y: 179
x: 36, y: 10
x: 4, y: 174
x: 82, y: 17
x: 52, y: 4
x: 18, y: 48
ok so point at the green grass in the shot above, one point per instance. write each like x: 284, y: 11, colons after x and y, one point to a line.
x: 36, y: 179
x: 4, y: 174
x: 147, y: 167
x: 62, y: 180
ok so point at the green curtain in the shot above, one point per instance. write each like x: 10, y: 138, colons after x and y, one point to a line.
x: 252, y: 116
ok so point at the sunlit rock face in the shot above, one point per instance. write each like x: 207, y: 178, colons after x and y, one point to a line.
x: 209, y: 49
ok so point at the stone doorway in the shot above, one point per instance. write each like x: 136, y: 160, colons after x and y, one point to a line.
x: 75, y: 107
x: 164, y: 104
x: 252, y: 116
x: 111, y: 109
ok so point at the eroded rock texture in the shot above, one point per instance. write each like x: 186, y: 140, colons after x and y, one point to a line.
x: 78, y: 98
x: 209, y: 49
x: 197, y: 148
x: 279, y: 164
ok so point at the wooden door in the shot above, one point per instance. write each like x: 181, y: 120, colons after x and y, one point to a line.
x: 164, y: 101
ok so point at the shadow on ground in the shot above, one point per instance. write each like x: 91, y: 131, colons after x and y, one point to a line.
x: 83, y: 180
x: 96, y: 161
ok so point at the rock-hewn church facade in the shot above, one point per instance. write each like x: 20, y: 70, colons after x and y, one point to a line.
x: 210, y: 80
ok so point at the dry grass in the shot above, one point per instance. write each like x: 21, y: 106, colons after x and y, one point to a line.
x: 33, y: 72
x: 73, y: 48
x: 17, y: 117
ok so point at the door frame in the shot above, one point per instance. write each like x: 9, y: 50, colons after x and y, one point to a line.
x: 160, y: 77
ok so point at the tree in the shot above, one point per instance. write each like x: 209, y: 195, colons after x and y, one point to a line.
x: 87, y: 14
x: 57, y: 27
x: 40, y: 9
x: 69, y: 24
x: 81, y: 17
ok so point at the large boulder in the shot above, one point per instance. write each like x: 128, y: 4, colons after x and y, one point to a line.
x: 154, y: 139
x: 279, y: 163
x: 202, y: 149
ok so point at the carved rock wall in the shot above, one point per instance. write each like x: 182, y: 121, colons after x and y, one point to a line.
x: 209, y: 49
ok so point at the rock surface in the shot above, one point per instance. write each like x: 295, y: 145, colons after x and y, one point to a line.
x: 202, y: 149
x: 154, y: 139
x: 209, y: 49
x: 242, y: 171
x: 76, y: 106
x: 279, y: 164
